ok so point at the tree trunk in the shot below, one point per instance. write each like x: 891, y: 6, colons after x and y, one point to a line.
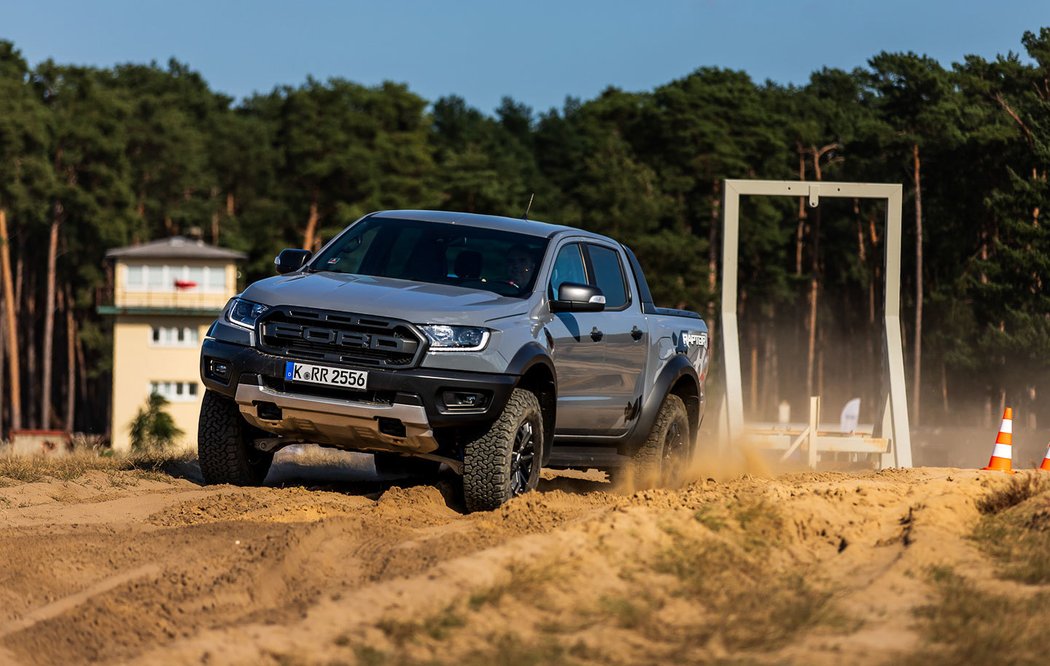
x: 944, y: 388
x: 916, y: 395
x: 10, y: 325
x: 753, y: 343
x: 71, y: 361
x: 215, y: 227
x: 311, y: 225
x: 812, y: 325
x: 49, y: 319
x: 32, y: 390
x: 214, y: 217
x: 231, y: 204
x: 3, y: 347
x: 814, y: 282
x: 19, y: 274
x: 82, y: 363
x: 821, y: 345
x: 770, y: 376
x: 800, y: 231
x: 90, y: 401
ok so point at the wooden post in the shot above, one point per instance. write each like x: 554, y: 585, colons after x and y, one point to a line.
x: 814, y: 423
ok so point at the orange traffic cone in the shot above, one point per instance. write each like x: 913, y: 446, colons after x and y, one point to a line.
x: 1002, y: 454
x: 1046, y: 461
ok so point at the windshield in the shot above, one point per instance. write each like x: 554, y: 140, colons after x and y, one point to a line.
x: 498, y: 261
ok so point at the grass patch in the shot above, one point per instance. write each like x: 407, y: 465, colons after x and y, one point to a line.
x: 749, y: 608
x: 970, y: 626
x: 1015, y: 530
x: 510, y: 650
x: 437, y: 626
x: 761, y: 522
x: 711, y: 517
x: 626, y: 612
x: 520, y: 579
x: 31, y: 469
x: 1019, y: 490
x: 369, y: 656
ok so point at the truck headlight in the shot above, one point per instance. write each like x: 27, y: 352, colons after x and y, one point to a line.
x: 456, y: 338
x: 244, y: 313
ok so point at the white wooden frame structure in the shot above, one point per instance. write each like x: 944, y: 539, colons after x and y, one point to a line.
x: 891, y: 438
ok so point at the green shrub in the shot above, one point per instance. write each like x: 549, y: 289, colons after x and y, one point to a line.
x: 153, y: 429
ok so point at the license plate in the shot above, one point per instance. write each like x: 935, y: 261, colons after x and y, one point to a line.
x: 319, y: 374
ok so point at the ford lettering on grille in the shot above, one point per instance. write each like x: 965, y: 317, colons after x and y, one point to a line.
x: 347, y: 338
x: 320, y: 335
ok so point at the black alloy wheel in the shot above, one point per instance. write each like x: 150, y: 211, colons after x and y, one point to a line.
x: 522, y: 458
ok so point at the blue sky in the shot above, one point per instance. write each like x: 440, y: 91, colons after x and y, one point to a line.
x: 537, y: 51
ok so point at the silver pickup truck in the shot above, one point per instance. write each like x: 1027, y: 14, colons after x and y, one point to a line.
x: 492, y: 345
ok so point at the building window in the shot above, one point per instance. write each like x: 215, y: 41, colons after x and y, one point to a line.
x: 216, y: 279
x: 155, y: 280
x: 191, y: 279
x: 136, y: 277
x: 175, y: 336
x: 175, y: 391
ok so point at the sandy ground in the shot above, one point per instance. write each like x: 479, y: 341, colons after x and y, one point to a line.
x: 331, y: 565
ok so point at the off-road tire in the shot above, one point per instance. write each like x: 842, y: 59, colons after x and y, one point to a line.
x: 392, y: 464
x: 224, y: 445
x: 661, y: 459
x: 488, y: 461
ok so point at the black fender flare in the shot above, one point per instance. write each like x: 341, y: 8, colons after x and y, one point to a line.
x: 677, y: 367
x: 525, y: 360
x: 531, y: 354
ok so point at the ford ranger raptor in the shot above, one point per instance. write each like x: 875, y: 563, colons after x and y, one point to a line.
x: 494, y: 346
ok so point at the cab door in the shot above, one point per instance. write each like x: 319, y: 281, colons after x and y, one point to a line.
x: 625, y: 333
x: 578, y: 354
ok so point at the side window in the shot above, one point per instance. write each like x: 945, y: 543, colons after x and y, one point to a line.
x: 608, y: 275
x: 568, y: 267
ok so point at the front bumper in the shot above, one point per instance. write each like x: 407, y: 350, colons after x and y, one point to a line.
x: 337, y: 422
x: 403, y: 410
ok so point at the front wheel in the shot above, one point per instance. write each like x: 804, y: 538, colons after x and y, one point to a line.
x: 224, y: 445
x: 662, y: 459
x: 506, y: 460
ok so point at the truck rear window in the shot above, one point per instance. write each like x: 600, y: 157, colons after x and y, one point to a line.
x: 502, y: 262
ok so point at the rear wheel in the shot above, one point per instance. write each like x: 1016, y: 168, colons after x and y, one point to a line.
x: 392, y: 464
x: 662, y: 459
x: 506, y: 460
x: 224, y: 445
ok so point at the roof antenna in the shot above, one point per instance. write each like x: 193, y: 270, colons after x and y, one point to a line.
x: 528, y: 208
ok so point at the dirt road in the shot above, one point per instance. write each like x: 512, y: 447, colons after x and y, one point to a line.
x: 329, y: 565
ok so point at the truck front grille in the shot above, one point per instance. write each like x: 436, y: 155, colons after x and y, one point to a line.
x: 340, y: 337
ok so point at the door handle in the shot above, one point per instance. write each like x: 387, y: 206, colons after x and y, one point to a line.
x: 637, y: 333
x: 596, y: 335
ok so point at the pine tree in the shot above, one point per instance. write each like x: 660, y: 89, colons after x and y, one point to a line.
x: 153, y: 429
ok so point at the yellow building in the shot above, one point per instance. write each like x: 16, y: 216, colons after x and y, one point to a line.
x: 165, y: 296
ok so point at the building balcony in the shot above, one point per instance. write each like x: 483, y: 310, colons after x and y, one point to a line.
x: 191, y: 302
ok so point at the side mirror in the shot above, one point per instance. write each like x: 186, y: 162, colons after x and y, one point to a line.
x: 575, y: 297
x: 291, y: 259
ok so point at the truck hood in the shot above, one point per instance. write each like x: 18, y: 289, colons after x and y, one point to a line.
x: 416, y: 302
